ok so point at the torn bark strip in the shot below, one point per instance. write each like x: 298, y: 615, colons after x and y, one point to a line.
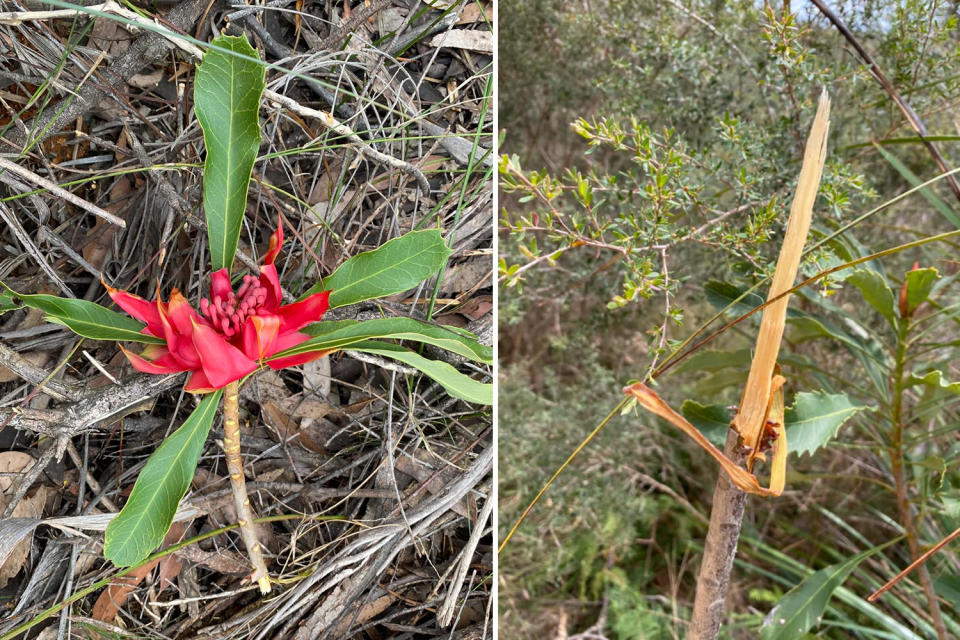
x: 749, y: 421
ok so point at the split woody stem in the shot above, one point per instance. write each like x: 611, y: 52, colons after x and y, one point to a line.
x: 238, y: 484
x: 726, y: 516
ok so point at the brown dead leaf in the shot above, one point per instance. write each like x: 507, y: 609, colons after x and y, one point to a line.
x: 468, y: 275
x: 146, y: 80
x: 474, y: 40
x: 31, y: 506
x: 471, y: 13
x: 115, y: 595
x: 221, y: 561
x: 286, y: 428
x: 100, y: 238
x: 476, y: 307
x: 367, y: 611
x: 423, y: 466
x: 109, y: 36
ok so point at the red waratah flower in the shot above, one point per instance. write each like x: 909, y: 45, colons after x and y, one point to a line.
x: 233, y: 333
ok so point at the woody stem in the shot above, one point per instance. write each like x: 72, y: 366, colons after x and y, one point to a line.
x: 231, y: 449
x: 719, y: 551
x: 898, y: 462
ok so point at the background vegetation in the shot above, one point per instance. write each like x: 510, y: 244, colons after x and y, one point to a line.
x: 615, y: 236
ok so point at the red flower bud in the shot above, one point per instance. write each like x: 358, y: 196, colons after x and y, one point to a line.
x: 905, y: 309
x: 233, y: 333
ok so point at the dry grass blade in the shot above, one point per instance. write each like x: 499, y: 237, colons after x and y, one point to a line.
x: 750, y: 417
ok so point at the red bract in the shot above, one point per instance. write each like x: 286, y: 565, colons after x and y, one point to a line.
x: 234, y: 332
x: 904, y: 304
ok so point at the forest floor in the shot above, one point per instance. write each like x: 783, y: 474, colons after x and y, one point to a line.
x: 338, y: 451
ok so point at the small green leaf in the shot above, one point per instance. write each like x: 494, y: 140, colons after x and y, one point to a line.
x: 935, y: 380
x: 87, y: 319
x: 876, y: 292
x: 336, y: 335
x: 713, y: 420
x: 919, y: 284
x: 143, y: 522
x: 802, y: 607
x: 400, y: 264
x: 457, y: 384
x: 815, y: 418
x: 227, y: 94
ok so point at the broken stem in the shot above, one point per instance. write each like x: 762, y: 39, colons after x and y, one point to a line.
x: 231, y: 449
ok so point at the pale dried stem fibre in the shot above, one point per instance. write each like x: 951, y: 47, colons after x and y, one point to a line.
x: 756, y: 394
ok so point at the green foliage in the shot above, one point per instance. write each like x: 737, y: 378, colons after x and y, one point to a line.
x: 811, y: 422
x: 815, y: 418
x: 85, y: 318
x: 919, y: 284
x: 396, y: 266
x: 143, y: 522
x: 802, y: 608
x: 713, y: 420
x: 333, y: 335
x: 457, y: 384
x: 664, y: 202
x: 876, y: 292
x: 227, y: 94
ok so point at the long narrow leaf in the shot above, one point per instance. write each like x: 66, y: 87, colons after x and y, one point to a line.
x: 801, y: 609
x: 398, y: 265
x: 335, y: 335
x: 85, y: 318
x: 145, y: 519
x: 227, y: 95
x: 935, y: 201
x: 457, y: 384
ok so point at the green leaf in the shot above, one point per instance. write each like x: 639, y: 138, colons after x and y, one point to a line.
x: 716, y: 360
x: 400, y: 264
x: 227, y: 94
x: 928, y: 194
x: 919, y: 284
x: 335, y: 335
x: 723, y: 294
x: 87, y: 319
x: 713, y: 420
x: 457, y: 384
x: 7, y: 302
x: 143, y: 522
x: 802, y: 607
x: 876, y: 292
x: 815, y: 418
x: 935, y: 380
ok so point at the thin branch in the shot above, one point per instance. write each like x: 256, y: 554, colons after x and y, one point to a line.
x: 904, y: 106
x: 56, y: 190
x: 328, y: 121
